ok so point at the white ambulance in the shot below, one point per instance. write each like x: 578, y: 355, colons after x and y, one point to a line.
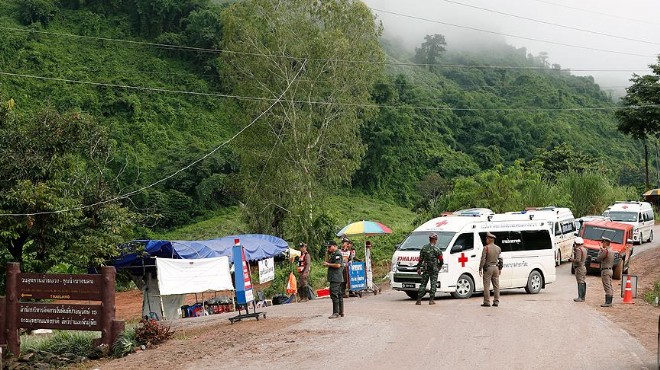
x: 563, y: 229
x: 638, y: 214
x: 527, y: 251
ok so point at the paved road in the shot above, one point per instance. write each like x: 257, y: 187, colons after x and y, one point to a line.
x: 543, y: 331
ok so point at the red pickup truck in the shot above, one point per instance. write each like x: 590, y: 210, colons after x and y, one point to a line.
x: 621, y: 236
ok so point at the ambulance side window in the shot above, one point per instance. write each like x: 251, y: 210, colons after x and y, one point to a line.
x: 557, y: 228
x: 463, y: 243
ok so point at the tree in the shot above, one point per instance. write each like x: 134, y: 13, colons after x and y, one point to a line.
x: 52, y: 164
x: 430, y: 51
x: 309, y: 140
x: 641, y: 116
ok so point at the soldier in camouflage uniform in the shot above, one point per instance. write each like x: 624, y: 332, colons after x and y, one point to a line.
x: 430, y: 257
x: 606, y: 258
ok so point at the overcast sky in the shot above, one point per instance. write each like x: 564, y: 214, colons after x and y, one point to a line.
x: 627, y: 32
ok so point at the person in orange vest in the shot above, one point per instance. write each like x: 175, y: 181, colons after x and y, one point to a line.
x: 304, y: 268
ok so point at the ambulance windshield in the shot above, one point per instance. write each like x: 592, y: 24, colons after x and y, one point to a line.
x: 417, y: 240
x: 623, y: 216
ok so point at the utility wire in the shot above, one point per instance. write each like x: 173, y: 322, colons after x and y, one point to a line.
x: 596, y: 12
x: 510, y: 35
x: 188, y: 166
x: 551, y: 23
x: 358, y: 61
x: 311, y: 102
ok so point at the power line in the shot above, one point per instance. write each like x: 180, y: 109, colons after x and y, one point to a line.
x: 596, y: 12
x: 188, y: 166
x: 358, y: 61
x: 551, y: 23
x: 312, y: 102
x: 510, y: 35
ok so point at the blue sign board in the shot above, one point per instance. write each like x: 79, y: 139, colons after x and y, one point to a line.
x: 242, y: 282
x: 356, y: 273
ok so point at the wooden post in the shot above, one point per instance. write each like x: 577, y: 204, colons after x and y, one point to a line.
x: 118, y: 327
x: 13, y: 339
x: 3, y: 322
x: 107, y: 304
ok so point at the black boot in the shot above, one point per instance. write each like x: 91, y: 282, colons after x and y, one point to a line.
x: 584, y: 291
x: 335, y: 310
x: 431, y: 300
x: 608, y: 301
x: 581, y: 292
x: 341, y: 308
x: 419, y: 301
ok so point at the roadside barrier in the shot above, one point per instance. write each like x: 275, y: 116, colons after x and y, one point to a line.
x: 627, y: 296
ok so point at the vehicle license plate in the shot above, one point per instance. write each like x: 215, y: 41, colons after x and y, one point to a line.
x: 408, y: 285
x: 594, y: 265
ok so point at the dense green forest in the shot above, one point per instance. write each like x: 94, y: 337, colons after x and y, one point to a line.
x: 124, y: 119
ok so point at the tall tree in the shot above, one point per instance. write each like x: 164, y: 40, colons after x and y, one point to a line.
x: 641, y: 116
x: 431, y: 50
x: 326, y: 56
x: 52, y: 164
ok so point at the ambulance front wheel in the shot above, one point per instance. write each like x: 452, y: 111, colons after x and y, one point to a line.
x: 464, y: 287
x: 534, y: 282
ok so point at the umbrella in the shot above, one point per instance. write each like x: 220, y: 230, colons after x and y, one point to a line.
x: 652, y: 192
x: 364, y: 228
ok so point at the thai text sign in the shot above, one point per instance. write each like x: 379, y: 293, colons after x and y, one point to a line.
x: 357, y: 275
x: 59, y: 316
x: 266, y: 270
x: 60, y: 286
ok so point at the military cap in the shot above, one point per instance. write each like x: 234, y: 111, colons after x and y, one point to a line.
x: 605, y: 239
x: 489, y: 235
x: 433, y: 236
x: 302, y: 245
x: 330, y: 243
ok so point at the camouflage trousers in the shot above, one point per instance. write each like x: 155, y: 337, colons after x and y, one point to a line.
x: 428, y: 276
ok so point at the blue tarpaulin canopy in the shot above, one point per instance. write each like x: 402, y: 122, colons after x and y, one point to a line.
x: 256, y: 246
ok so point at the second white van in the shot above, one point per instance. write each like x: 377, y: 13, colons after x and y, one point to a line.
x: 638, y: 214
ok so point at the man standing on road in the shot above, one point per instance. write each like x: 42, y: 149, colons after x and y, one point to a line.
x: 606, y: 258
x: 578, y: 259
x: 346, y: 256
x: 490, y: 256
x: 335, y: 265
x: 429, y: 258
x: 304, y: 268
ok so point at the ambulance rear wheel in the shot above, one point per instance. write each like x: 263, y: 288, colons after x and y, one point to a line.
x: 412, y: 295
x: 464, y: 287
x: 534, y: 282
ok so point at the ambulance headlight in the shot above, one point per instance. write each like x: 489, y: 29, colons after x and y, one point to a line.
x: 394, y: 267
x: 444, y: 268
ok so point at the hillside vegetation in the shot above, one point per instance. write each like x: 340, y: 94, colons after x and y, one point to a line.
x: 330, y: 128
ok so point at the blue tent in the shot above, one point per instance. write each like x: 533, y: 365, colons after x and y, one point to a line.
x: 256, y: 246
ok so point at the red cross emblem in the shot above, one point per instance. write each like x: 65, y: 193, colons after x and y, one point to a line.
x: 439, y: 224
x: 463, y: 259
x: 624, y: 207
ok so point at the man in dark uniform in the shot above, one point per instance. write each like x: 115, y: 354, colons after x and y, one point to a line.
x: 606, y: 258
x: 429, y: 258
x: 335, y: 265
x: 578, y: 259
x: 490, y: 257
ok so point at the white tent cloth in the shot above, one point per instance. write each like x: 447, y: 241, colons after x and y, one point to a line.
x: 182, y: 276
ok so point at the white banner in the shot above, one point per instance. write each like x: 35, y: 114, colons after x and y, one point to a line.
x: 266, y: 270
x: 181, y: 276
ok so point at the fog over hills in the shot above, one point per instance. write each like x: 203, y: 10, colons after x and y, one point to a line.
x: 609, y: 40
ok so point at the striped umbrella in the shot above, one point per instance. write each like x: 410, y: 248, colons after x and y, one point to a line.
x: 364, y: 228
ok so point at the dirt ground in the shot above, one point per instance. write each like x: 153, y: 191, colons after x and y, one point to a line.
x: 193, y: 335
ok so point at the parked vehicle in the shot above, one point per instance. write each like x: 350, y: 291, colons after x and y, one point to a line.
x: 562, y: 228
x: 638, y: 214
x: 527, y: 251
x: 620, y: 235
x: 580, y: 221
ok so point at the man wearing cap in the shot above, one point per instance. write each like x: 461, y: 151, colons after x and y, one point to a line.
x: 579, y: 258
x: 335, y: 265
x: 490, y: 257
x: 304, y: 267
x: 606, y: 258
x: 429, y: 258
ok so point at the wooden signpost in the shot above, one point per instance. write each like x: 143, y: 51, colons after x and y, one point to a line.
x: 16, y: 314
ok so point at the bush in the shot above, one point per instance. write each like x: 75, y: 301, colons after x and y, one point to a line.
x: 651, y: 296
x: 32, y: 11
x: 126, y: 343
x: 61, y: 342
x: 150, y: 332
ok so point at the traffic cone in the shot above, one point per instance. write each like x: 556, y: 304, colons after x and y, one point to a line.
x: 627, y: 295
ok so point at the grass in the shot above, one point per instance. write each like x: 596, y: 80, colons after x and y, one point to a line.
x: 61, y: 342
x: 652, y: 296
